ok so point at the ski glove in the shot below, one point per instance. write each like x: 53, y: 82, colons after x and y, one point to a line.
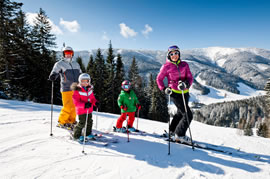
x: 53, y: 76
x: 138, y: 106
x: 167, y: 91
x: 124, y: 107
x: 87, y: 105
x: 182, y: 85
x: 97, y: 104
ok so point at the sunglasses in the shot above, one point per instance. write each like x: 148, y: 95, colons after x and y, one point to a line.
x: 68, y: 52
x: 175, y: 53
x: 126, y: 86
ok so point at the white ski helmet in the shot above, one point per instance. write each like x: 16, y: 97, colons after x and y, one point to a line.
x: 67, y: 48
x: 84, y: 76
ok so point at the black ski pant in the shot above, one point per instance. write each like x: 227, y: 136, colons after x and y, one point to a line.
x: 81, y: 124
x: 179, y: 124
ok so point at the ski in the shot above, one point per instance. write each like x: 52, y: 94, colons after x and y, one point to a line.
x: 97, y: 139
x: 200, y: 146
x: 136, y: 132
x: 70, y: 128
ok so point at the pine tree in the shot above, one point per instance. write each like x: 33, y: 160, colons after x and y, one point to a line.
x: 90, y: 66
x: 43, y: 61
x: 159, y: 106
x: 138, y: 86
x: 267, y: 100
x: 8, y: 12
x: 248, y: 129
x: 79, y: 60
x: 119, y: 78
x: 22, y: 55
x: 110, y: 82
x: 99, y: 78
x: 148, y: 97
x: 262, y: 130
x: 133, y: 74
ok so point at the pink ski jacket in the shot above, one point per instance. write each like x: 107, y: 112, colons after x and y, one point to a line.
x: 81, y: 96
x: 174, y: 72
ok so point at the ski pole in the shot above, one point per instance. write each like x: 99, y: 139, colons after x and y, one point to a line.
x: 168, y: 91
x: 138, y: 114
x: 85, y: 129
x: 187, y: 119
x: 169, y: 122
x: 51, y: 108
x: 127, y: 132
x: 96, y: 118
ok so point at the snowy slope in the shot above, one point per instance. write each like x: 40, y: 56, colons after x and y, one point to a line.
x: 27, y: 150
x: 219, y: 95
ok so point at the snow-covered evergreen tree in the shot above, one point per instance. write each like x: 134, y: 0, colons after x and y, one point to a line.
x: 42, y: 62
x: 267, y: 118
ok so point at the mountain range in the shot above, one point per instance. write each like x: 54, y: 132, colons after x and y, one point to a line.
x: 219, y: 67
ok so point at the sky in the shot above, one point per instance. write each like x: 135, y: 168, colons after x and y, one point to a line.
x: 156, y: 24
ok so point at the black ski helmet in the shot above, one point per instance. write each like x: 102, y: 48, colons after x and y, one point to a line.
x: 171, y: 49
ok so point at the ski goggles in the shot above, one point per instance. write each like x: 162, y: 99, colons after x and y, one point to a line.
x: 125, y: 86
x: 68, y: 52
x: 174, y: 53
x: 86, y: 81
x: 172, y: 48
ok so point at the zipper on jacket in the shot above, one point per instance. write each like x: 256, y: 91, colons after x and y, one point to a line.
x: 179, y: 72
x: 73, y: 72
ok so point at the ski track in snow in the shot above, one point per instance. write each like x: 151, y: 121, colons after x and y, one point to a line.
x: 27, y: 150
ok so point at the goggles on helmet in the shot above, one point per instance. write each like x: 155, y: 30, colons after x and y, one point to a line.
x: 125, y: 86
x: 68, y: 52
x: 86, y: 81
x: 174, y: 47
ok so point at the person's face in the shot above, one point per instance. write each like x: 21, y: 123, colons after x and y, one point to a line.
x: 174, y: 55
x: 85, y: 83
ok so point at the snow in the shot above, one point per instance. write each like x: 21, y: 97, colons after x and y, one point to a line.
x: 219, y: 95
x: 262, y: 67
x: 218, y: 55
x: 221, y: 62
x: 28, y: 151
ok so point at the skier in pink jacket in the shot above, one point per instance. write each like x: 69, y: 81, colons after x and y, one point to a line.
x: 179, y: 79
x: 84, y: 100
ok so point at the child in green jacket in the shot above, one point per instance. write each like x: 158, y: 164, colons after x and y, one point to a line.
x: 128, y: 102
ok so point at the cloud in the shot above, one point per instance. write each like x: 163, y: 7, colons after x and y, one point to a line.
x: 30, y: 18
x: 126, y: 31
x: 147, y: 30
x: 72, y: 26
x: 105, y: 37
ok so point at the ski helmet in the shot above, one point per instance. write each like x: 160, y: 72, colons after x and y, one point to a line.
x: 126, y: 84
x: 67, y: 49
x: 84, y: 76
x: 171, y: 49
